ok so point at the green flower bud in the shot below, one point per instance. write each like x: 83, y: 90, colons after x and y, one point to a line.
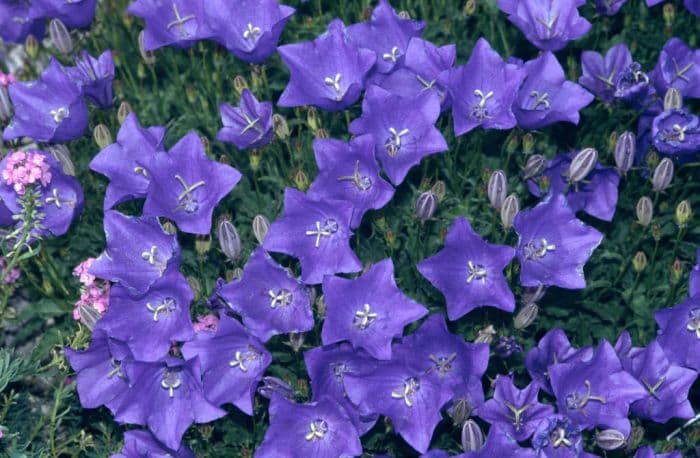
x: 102, y: 136
x: 639, y: 262
x: 60, y: 37
x: 683, y: 213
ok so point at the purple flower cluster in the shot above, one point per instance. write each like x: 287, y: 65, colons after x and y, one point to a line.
x: 21, y: 18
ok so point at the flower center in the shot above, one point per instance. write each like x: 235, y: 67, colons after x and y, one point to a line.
x: 318, y: 429
x: 549, y: 24
x: 335, y: 84
x: 364, y: 318
x: 55, y: 199
x: 540, y: 99
x: 140, y: 170
x: 575, y: 401
x: 678, y: 133
x: 479, y: 111
x: 694, y: 322
x: 250, y: 32
x: 116, y: 369
x: 391, y: 56
x: 361, y: 182
x: 179, y: 22
x: 150, y: 255
x: 171, y: 381
x: 339, y: 370
x: 166, y: 307
x: 443, y: 364
x: 329, y: 228
x: 652, y: 389
x: 476, y: 272
x: 406, y: 392
x: 393, y: 143
x: 59, y: 114
x: 186, y: 199
x: 426, y: 84
x: 240, y: 359
x: 251, y: 123
x: 680, y: 72
x: 538, y: 249
x: 280, y: 297
x: 517, y: 414
x: 559, y: 438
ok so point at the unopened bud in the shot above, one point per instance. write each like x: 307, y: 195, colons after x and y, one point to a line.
x: 202, y: 244
x: 62, y: 155
x: 280, y: 126
x: 234, y: 274
x: 123, y: 111
x: 229, y: 240
x: 509, y: 210
x: 497, y: 189
x: 461, y: 411
x: 673, y: 99
x: 472, y: 437
x: 676, y: 271
x: 635, y: 438
x: 296, y: 340
x: 533, y: 294
x: 320, y: 305
x: 612, y: 140
x: 645, y: 211
x: 669, y: 13
x: 512, y: 142
x: 273, y: 385
x: 610, y: 439
x: 656, y: 232
x: 528, y: 143
x: 582, y: 164
x: 639, y: 262
x: 169, y: 227
x: 195, y: 286
x: 260, y: 227
x: 663, y: 174
x: 5, y: 104
x: 403, y: 14
x: 485, y: 335
x: 426, y: 205
x: 149, y: 58
x: 534, y: 166
x: 322, y: 133
x: 683, y: 213
x: 439, y: 189
x: 60, y: 36
x: 31, y: 46
x: 102, y: 136
x: 526, y: 316
x: 88, y: 315
x: 625, y: 150
x: 312, y: 118
x: 301, y: 181
x: 239, y: 84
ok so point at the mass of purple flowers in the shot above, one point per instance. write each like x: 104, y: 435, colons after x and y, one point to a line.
x: 151, y: 366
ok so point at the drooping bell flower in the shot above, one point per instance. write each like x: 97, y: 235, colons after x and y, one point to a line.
x: 676, y: 132
x: 633, y: 86
x: 553, y: 348
x: 76, y: 14
x: 233, y: 363
x: 386, y: 34
x: 120, y: 161
x: 328, y: 72
x: 600, y: 73
x: 138, y: 252
x: 483, y: 90
x: 546, y: 97
x: 249, y: 125
x: 16, y: 23
x: 178, y: 23
x: 679, y: 332
x: 403, y: 129
x: 469, y: 271
x: 269, y: 300
x: 553, y: 246
x: 320, y: 428
x: 678, y: 67
x: 50, y: 109
x: 185, y: 185
x: 348, y: 171
x: 249, y: 29
x: 139, y: 443
x: 317, y: 232
x: 369, y: 311
x: 94, y: 77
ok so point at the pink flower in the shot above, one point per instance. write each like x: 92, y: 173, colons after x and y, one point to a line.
x: 12, y: 276
x: 95, y: 296
x: 6, y: 79
x: 82, y: 272
x: 207, y: 323
x: 26, y: 168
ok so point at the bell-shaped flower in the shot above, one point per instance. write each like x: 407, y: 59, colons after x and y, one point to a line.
x: 679, y: 332
x: 75, y: 14
x: 138, y: 443
x: 678, y: 67
x: 94, y: 77
x: 249, y: 125
x: 553, y: 348
x: 178, y: 23
x: 600, y: 73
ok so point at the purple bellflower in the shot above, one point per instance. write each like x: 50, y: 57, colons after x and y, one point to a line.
x: 94, y: 77
x: 597, y: 392
x: 320, y: 428
x: 648, y: 452
x: 679, y: 67
x: 553, y: 348
x: 469, y: 271
x: 626, y: 351
x: 403, y: 129
x: 546, y: 97
x: 679, y: 332
x: 317, y: 232
x: 247, y: 126
x: 49, y: 110
x: 553, y: 245
x: 186, y: 185
x: 483, y: 90
x: 74, y: 13
x: 548, y: 24
x: 386, y: 34
x: 16, y: 24
x: 369, y: 311
x: 268, y: 298
x: 676, y: 132
x: 151, y: 323
x: 516, y: 412
x: 600, y: 73
x: 633, y: 86
x: 139, y: 443
x: 609, y: 7
x: 138, y: 252
x: 559, y: 437
x: 233, y: 363
x: 500, y: 444
x: 120, y: 161
x: 348, y: 171
x: 178, y: 23
x: 250, y: 29
x: 328, y: 72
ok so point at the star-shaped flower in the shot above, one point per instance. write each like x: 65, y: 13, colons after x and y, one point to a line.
x: 403, y: 129
x: 328, y: 72
x: 469, y: 271
x: 679, y: 332
x: 94, y: 77
x: 186, y: 185
x: 268, y: 298
x: 178, y: 23
x: 559, y: 437
x: 137, y: 254
x: 142, y: 443
x: 553, y: 245
x: 369, y: 310
x: 233, y: 363
x: 676, y: 132
x: 249, y: 125
x: 600, y: 73
x: 317, y: 232
x: 348, y: 171
x: 61, y: 202
x: 75, y: 14
x: 483, y: 90
x: 678, y: 67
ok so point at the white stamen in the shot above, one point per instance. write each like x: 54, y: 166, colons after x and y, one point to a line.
x: 476, y: 272
x: 319, y: 232
x: 318, y: 428
x: 335, y: 84
x: 59, y: 114
x: 364, y: 318
x: 405, y: 392
x: 540, y: 99
x: 179, y: 21
x: 251, y: 32
x: 392, y: 56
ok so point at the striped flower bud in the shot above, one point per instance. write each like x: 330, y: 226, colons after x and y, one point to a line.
x: 534, y: 166
x: 31, y: 46
x: 260, y: 227
x: 461, y: 411
x: 610, y: 439
x: 60, y: 36
x: 663, y: 174
x: 683, y: 213
x: 472, y: 437
x: 509, y: 210
x: 426, y: 205
x: 239, y: 84
x: 229, y: 240
x: 296, y: 340
x: 280, y: 126
x: 439, y: 189
x: 582, y: 164
x: 673, y: 99
x: 102, y: 136
x: 639, y: 262
x: 5, y: 104
x: 485, y: 335
x: 625, y: 150
x: 497, y: 189
x: 526, y: 316
x: 62, y: 155
x: 202, y: 244
x: 88, y: 315
x: 123, y: 111
x: 528, y: 143
x: 645, y: 210
x: 312, y: 118
x: 533, y: 294
x: 301, y: 180
x: 149, y: 57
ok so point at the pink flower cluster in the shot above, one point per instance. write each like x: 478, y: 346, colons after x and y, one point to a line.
x: 6, y: 79
x: 12, y: 276
x: 25, y: 168
x: 94, y: 293
x: 208, y: 323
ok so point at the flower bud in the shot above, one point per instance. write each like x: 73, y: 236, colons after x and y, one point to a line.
x: 612, y: 140
x: 669, y: 13
x: 280, y: 126
x: 195, y: 286
x: 31, y: 46
x: 461, y: 411
x: 301, y: 181
x: 673, y: 99
x: 229, y: 240
x: 5, y: 104
x: 202, y: 244
x: 260, y: 227
x: 62, y: 155
x: 123, y: 111
x: 534, y: 166
x: 403, y: 14
x: 102, y: 136
x: 639, y: 262
x: 509, y: 210
x: 625, y: 150
x: 656, y: 232
x: 312, y: 118
x: 582, y: 164
x: 528, y: 143
x: 149, y: 57
x: 526, y: 316
x: 485, y: 335
x: 652, y: 159
x: 322, y: 133
x: 273, y: 385
x: 676, y: 271
x: 296, y: 340
x: 426, y: 204
x: 88, y: 315
x: 169, y: 227
x: 60, y: 36
x: 635, y: 438
x: 234, y: 274
x: 610, y: 439
x: 239, y: 84
x: 533, y: 294
x: 683, y: 213
x: 645, y: 210
x: 439, y: 190
x: 140, y: 70
x: 663, y: 174
x: 472, y: 437
x: 497, y: 189
x: 470, y: 8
